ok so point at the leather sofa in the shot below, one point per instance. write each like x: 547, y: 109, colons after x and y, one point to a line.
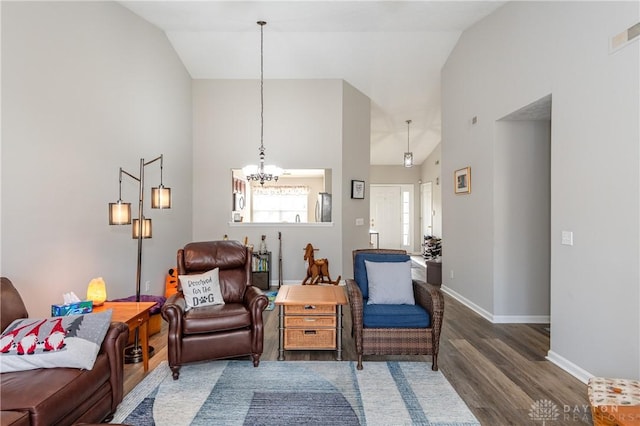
x: 61, y: 396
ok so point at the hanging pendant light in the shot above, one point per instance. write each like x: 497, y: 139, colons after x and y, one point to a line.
x: 261, y: 173
x: 408, y: 156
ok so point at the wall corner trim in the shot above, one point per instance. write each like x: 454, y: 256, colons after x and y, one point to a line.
x: 568, y: 366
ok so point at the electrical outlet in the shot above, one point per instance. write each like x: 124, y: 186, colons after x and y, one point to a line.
x: 451, y: 274
x: 147, y: 285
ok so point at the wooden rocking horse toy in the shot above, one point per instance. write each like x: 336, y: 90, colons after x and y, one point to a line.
x: 317, y: 269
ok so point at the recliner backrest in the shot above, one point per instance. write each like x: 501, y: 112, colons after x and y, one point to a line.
x: 231, y: 257
x: 373, y: 255
x: 11, y: 304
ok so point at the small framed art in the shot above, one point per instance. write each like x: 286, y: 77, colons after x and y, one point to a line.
x: 462, y: 180
x: 357, y: 189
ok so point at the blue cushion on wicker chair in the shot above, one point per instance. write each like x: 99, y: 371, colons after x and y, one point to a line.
x: 360, y: 270
x: 395, y: 316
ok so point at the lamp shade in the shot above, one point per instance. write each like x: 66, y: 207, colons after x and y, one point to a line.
x: 249, y: 170
x: 408, y: 159
x: 97, y: 291
x: 161, y: 197
x: 146, y: 228
x: 119, y: 213
x: 272, y: 170
x: 408, y: 155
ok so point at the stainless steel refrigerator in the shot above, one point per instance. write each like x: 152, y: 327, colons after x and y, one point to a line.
x: 323, y: 207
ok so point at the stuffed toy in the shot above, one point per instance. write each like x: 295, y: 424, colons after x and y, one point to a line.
x: 171, y: 283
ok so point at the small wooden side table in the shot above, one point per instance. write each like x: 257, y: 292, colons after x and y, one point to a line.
x: 310, y: 318
x: 136, y: 316
x: 434, y: 272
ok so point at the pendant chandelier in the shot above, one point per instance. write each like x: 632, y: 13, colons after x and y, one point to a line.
x: 408, y: 156
x: 261, y: 173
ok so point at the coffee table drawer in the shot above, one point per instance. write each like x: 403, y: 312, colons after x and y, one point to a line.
x: 310, y: 321
x: 298, y: 338
x: 309, y: 309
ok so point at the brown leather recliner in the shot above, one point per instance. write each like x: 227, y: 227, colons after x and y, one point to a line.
x: 219, y: 331
x: 61, y: 396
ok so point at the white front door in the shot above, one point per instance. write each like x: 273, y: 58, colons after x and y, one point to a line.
x: 386, y: 215
x: 391, y: 215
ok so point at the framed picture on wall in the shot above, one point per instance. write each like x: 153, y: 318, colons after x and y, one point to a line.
x: 462, y: 181
x: 357, y: 189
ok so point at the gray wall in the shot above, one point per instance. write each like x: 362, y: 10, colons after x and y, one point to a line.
x: 356, y: 136
x: 79, y: 100
x: 519, y: 54
x: 521, y: 221
x: 307, y: 124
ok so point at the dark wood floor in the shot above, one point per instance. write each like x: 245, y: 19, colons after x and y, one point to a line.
x: 499, y: 370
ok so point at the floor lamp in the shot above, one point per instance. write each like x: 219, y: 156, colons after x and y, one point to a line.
x: 120, y: 214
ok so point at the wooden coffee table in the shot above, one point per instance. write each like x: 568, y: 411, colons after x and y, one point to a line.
x: 136, y: 316
x: 310, y: 318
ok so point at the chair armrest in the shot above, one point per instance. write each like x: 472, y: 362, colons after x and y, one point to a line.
x: 255, y: 301
x: 113, y: 345
x: 174, y: 308
x: 430, y: 298
x: 356, y: 305
x: 172, y: 312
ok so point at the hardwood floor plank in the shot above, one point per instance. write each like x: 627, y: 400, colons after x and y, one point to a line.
x: 494, y: 377
x: 539, y: 376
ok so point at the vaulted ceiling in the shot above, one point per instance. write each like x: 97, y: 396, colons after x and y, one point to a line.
x: 392, y: 51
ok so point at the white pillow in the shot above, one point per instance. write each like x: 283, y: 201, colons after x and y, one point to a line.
x: 202, y: 289
x: 390, y: 283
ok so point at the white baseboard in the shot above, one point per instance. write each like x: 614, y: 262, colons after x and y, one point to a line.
x: 521, y: 319
x: 497, y: 319
x: 468, y: 303
x: 569, y: 367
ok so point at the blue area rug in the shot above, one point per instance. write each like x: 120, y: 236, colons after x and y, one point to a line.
x: 271, y: 295
x: 295, y: 393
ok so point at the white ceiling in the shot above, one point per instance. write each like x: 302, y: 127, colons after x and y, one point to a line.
x: 392, y: 51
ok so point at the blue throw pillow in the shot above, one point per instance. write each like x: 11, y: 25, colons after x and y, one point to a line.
x: 360, y: 270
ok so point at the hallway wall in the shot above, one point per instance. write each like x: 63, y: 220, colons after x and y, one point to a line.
x: 521, y: 53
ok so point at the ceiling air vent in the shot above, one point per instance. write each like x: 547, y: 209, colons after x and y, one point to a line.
x: 624, y: 38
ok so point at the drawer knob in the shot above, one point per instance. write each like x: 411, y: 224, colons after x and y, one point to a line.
x: 309, y: 306
x: 309, y: 332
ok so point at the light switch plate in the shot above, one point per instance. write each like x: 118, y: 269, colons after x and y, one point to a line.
x: 567, y: 238
x: 359, y: 221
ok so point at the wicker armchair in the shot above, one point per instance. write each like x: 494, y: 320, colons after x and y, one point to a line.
x: 395, y: 341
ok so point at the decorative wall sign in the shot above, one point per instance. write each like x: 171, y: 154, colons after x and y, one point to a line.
x: 462, y: 181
